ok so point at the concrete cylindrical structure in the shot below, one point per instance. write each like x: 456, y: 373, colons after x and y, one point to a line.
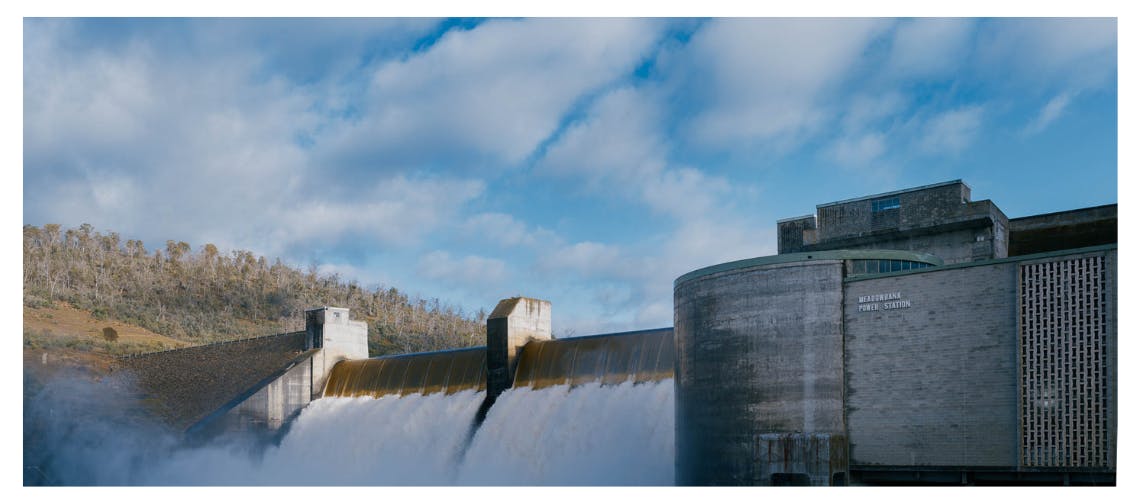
x: 759, y: 369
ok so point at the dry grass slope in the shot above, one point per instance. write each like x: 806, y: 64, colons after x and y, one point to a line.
x: 62, y: 326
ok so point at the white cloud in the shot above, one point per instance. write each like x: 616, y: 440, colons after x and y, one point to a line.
x: 396, y: 212
x: 617, y: 149
x: 496, y: 91
x: 473, y: 272
x: 202, y: 148
x: 929, y: 47
x: 617, y: 138
x: 864, y: 110
x: 859, y: 150
x: 766, y: 79
x: 590, y: 259
x: 655, y: 315
x: 1041, y: 54
x: 951, y: 131
x: 505, y: 231
x: 684, y: 193
x: 1050, y: 113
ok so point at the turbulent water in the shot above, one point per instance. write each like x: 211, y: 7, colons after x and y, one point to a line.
x: 592, y: 435
x: 588, y: 435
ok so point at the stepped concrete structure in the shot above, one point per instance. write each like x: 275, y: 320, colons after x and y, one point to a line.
x: 908, y: 337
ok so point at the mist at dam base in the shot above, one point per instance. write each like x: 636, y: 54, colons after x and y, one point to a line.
x: 588, y: 435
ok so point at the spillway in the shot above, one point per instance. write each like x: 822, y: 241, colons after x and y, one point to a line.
x: 595, y: 410
x: 591, y: 435
x: 447, y: 372
x: 610, y: 359
x: 588, y: 435
x: 636, y: 356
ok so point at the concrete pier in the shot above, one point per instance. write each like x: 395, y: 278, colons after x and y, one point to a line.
x: 513, y: 323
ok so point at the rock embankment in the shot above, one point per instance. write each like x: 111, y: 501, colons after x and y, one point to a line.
x: 185, y: 385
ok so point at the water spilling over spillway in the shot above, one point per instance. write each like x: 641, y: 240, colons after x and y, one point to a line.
x: 586, y: 435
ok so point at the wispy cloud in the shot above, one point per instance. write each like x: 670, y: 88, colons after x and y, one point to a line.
x: 1038, y: 55
x: 505, y: 231
x: 492, y: 94
x: 468, y: 271
x: 395, y: 212
x: 951, y: 131
x: 763, y: 80
x: 1050, y: 113
x: 859, y: 150
x: 590, y: 259
x: 929, y: 47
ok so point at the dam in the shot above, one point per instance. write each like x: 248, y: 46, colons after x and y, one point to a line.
x: 897, y: 338
x: 592, y: 410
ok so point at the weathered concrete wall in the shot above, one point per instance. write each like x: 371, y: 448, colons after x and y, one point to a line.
x: 962, y: 245
x: 795, y: 233
x: 343, y: 340
x: 512, y: 324
x: 919, y: 207
x: 1041, y: 233
x: 273, y: 405
x: 937, y: 219
x: 934, y: 383
x: 758, y: 351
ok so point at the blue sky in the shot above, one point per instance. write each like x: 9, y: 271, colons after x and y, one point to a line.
x: 587, y: 162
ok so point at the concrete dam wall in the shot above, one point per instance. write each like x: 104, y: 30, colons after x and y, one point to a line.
x: 447, y: 372
x: 594, y: 410
x: 609, y: 359
x: 264, y: 383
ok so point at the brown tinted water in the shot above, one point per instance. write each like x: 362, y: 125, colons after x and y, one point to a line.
x: 639, y: 356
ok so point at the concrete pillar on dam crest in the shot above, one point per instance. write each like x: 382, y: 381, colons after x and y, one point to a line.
x: 513, y: 323
x: 330, y: 329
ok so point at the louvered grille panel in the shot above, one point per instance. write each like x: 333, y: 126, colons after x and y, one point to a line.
x: 1063, y: 364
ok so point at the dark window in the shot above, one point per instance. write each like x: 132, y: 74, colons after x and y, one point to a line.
x: 858, y: 267
x: 884, y: 204
x: 790, y: 479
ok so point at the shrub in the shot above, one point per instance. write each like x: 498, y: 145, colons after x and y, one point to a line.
x: 109, y: 334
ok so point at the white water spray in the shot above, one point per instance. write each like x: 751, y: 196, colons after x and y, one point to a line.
x: 590, y: 435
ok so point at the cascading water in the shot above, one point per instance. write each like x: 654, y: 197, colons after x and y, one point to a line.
x: 586, y: 435
x: 596, y: 410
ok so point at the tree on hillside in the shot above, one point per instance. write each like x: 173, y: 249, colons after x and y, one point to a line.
x: 212, y: 296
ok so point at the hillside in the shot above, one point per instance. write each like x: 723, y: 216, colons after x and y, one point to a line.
x: 79, y: 281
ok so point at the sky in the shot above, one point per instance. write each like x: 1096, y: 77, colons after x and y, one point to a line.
x: 587, y: 162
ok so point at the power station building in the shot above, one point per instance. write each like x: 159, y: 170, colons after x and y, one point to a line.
x: 915, y: 336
